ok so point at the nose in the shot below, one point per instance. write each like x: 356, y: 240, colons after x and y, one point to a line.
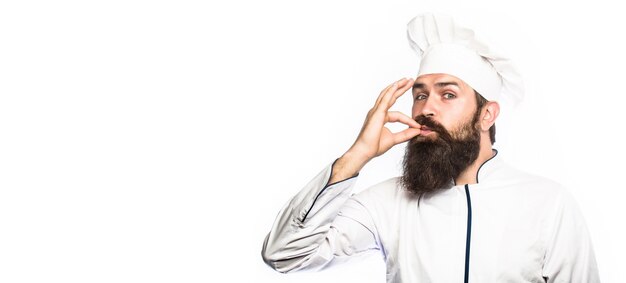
x: 429, y: 108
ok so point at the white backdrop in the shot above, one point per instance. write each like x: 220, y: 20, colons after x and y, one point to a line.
x: 155, y: 141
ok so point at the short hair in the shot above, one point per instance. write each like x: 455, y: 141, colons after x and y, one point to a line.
x: 480, y: 102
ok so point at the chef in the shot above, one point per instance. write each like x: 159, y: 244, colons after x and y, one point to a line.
x: 458, y: 212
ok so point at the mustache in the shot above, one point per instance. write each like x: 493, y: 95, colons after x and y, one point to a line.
x: 431, y: 124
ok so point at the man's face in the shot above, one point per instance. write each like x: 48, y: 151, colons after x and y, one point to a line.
x: 449, y: 141
x: 445, y: 99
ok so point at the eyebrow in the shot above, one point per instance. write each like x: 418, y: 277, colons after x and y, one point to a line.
x: 437, y: 85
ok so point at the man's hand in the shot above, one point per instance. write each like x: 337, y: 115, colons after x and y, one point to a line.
x: 374, y: 138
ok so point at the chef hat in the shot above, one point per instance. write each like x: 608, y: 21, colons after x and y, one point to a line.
x: 445, y: 47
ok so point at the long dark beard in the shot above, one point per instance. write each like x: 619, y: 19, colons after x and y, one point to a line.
x: 432, y: 164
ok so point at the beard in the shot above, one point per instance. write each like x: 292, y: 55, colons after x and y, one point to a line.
x: 431, y: 164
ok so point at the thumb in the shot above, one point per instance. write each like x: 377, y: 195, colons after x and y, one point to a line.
x: 405, y: 135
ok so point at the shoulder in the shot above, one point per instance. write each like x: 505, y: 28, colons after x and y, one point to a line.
x: 382, y: 193
x: 508, y: 176
x: 515, y: 187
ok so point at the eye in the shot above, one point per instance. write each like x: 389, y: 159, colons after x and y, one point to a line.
x: 420, y: 96
x: 449, y: 95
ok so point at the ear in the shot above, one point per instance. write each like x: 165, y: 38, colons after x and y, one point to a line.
x: 488, y: 115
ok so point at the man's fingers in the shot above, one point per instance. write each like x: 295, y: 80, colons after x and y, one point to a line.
x: 405, y: 135
x: 395, y: 116
x: 382, y: 94
x: 400, y: 86
x: 389, y: 91
x: 402, y: 90
x: 386, y: 90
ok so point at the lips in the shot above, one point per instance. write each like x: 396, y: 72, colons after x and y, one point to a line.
x: 428, y: 126
x: 424, y: 130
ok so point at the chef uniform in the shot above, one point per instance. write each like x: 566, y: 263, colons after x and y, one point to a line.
x: 511, y: 226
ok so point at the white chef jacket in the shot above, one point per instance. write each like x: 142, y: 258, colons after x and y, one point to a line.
x: 509, y: 227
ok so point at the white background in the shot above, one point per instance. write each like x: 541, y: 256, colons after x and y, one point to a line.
x: 155, y: 141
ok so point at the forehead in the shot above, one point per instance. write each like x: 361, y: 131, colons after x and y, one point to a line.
x: 430, y: 80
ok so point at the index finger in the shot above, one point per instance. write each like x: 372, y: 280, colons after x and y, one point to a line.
x: 387, y: 89
x: 400, y: 92
x: 396, y: 116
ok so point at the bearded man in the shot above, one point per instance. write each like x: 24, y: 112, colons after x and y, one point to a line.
x: 458, y: 212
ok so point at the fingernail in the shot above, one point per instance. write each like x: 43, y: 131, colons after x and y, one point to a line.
x: 395, y: 84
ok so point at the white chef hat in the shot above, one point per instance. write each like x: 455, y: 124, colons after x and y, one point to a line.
x: 445, y: 47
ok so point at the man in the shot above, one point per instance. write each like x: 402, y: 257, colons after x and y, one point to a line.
x: 458, y: 212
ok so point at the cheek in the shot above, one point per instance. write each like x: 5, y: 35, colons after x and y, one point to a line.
x: 416, y: 110
x: 451, y: 117
x: 450, y: 126
x: 458, y: 121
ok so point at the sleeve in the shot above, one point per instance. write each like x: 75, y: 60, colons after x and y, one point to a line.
x: 320, y: 226
x: 569, y: 255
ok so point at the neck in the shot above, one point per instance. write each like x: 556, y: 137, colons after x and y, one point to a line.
x: 468, y: 176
